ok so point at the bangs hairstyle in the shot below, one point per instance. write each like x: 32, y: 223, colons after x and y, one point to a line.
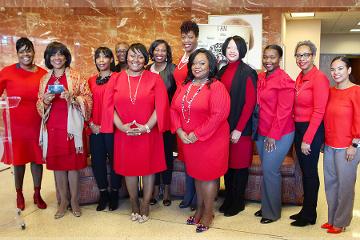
x: 276, y: 48
x: 188, y: 26
x: 157, y: 43
x: 240, y: 44
x: 108, y: 54
x: 52, y: 49
x: 21, y: 42
x: 212, y: 65
x: 140, y: 47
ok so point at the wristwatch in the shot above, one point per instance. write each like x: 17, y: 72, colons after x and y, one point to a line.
x: 355, y: 145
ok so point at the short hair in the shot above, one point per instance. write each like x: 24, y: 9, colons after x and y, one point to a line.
x: 240, y: 43
x: 156, y: 43
x: 212, y: 65
x: 188, y: 26
x: 24, y: 41
x: 107, y: 53
x: 276, y: 48
x: 121, y: 43
x: 308, y: 43
x: 53, y: 48
x: 140, y: 47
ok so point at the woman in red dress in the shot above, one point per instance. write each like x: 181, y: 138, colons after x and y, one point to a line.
x: 240, y: 80
x: 136, y: 102
x: 198, y: 115
x: 22, y: 79
x: 64, y: 102
x: 189, y: 38
x: 102, y: 144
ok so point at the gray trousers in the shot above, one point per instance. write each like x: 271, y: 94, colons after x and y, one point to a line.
x: 271, y: 184
x: 340, y: 178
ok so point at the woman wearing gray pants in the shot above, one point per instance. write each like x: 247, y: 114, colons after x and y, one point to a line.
x: 342, y: 155
x: 276, y: 92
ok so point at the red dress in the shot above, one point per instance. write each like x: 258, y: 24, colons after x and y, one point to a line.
x: 137, y: 155
x: 241, y: 153
x: 207, y: 158
x: 61, y: 153
x: 25, y: 121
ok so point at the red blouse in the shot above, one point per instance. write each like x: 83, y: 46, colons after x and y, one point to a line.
x: 276, y: 94
x: 342, y: 117
x: 180, y: 73
x: 312, y: 91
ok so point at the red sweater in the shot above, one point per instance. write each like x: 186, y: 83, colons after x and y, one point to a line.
x: 342, y: 117
x: 312, y: 91
x: 276, y: 94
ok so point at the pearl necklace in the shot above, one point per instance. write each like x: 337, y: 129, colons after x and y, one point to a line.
x: 133, y: 98
x: 184, y: 60
x: 57, y: 82
x: 187, y: 111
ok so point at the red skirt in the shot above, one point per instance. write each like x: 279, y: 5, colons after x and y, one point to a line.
x: 241, y: 153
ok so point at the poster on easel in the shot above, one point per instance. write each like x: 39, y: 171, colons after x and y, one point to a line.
x: 251, y: 21
x: 212, y: 37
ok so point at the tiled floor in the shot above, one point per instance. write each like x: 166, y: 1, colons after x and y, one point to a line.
x: 165, y: 223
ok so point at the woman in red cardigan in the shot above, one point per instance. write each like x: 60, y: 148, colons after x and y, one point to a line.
x: 342, y: 138
x: 275, y: 96
x: 312, y: 90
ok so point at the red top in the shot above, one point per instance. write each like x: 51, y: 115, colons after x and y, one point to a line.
x: 180, y: 73
x: 276, y: 93
x: 342, y: 117
x: 207, y: 158
x: 25, y: 121
x: 250, y: 98
x: 137, y: 155
x: 312, y: 91
x: 98, y: 95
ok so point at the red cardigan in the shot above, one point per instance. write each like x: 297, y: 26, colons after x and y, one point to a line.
x: 312, y: 91
x: 276, y: 94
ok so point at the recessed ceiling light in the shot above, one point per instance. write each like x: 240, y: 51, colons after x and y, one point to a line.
x: 355, y: 30
x: 302, y: 14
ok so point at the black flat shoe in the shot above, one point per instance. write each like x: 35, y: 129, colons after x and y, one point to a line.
x: 302, y: 222
x: 266, y: 221
x: 192, y: 208
x: 167, y: 202
x: 153, y: 201
x: 258, y: 213
x: 295, y: 216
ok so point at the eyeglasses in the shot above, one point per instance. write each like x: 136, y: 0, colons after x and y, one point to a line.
x: 304, y: 55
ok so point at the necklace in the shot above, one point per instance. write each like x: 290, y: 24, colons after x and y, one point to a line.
x: 133, y: 98
x: 186, y: 112
x: 102, y: 80
x: 57, y: 79
x: 299, y: 87
x: 184, y: 60
x: 154, y: 70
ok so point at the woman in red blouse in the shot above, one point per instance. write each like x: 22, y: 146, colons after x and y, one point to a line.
x: 102, y: 144
x: 342, y: 138
x: 275, y: 94
x: 64, y: 102
x: 198, y: 115
x: 311, y: 95
x: 22, y: 79
x: 240, y: 81
x: 136, y: 102
x: 189, y: 38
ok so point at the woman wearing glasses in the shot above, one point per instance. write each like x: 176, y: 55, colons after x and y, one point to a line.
x: 312, y: 90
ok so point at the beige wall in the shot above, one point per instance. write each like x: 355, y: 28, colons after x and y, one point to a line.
x: 298, y: 30
x: 340, y: 43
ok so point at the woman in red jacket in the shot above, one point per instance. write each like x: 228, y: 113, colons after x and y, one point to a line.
x: 312, y: 91
x: 275, y: 94
x: 342, y: 138
x: 22, y: 79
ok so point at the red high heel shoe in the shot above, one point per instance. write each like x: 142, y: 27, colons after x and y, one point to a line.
x: 336, y: 230
x: 326, y: 226
x: 38, y: 199
x: 20, y: 201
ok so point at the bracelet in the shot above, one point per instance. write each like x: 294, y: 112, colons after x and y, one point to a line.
x: 91, y: 124
x: 147, y: 128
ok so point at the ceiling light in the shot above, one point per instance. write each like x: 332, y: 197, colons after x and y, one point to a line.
x: 355, y: 30
x: 302, y: 14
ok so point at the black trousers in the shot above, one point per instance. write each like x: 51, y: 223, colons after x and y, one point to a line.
x: 309, y: 168
x: 102, y: 149
x: 165, y: 177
